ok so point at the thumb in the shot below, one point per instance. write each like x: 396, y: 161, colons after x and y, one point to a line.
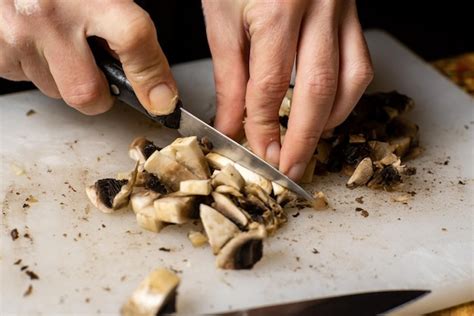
x: 133, y: 39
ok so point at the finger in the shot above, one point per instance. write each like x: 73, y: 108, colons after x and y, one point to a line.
x: 229, y: 49
x: 37, y: 70
x: 272, y: 53
x: 81, y: 84
x: 10, y: 66
x: 131, y: 34
x: 355, y: 71
x: 315, y: 87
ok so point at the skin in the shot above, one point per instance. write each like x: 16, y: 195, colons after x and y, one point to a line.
x: 254, y: 45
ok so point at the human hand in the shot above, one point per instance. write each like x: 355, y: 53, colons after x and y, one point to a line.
x: 45, y: 41
x: 254, y: 45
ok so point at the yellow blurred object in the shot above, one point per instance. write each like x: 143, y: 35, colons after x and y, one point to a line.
x: 459, y: 69
x: 460, y: 310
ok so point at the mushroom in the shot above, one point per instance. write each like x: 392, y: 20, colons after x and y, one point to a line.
x: 142, y: 198
x: 110, y: 194
x: 217, y: 161
x: 156, y: 294
x: 141, y: 149
x: 219, y: 228
x: 225, y: 205
x: 175, y: 209
x: 168, y: 170
x: 362, y: 173
x: 228, y: 175
x: 227, y: 189
x: 357, y: 139
x: 401, y: 145
x: 379, y: 149
x: 309, y: 171
x: 147, y: 219
x: 242, y: 251
x: 197, y: 239
x: 187, y: 152
x: 320, y: 201
x: 391, y: 158
x: 195, y: 187
x: 387, y: 178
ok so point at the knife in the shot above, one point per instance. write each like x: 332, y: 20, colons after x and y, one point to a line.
x: 188, y: 124
x: 361, y: 304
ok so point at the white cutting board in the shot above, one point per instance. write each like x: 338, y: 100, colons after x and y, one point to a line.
x: 426, y: 244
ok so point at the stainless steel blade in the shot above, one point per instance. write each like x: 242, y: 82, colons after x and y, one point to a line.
x: 191, y: 125
x: 372, y: 303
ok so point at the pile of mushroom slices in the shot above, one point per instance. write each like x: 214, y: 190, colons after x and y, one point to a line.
x: 369, y: 146
x: 185, y: 181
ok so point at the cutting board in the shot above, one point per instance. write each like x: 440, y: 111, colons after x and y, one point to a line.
x: 89, y: 262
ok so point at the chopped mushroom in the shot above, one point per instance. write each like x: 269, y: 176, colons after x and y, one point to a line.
x: 147, y: 219
x: 320, y: 201
x: 242, y: 251
x: 309, y: 171
x: 109, y: 194
x: 228, y: 175
x: 141, y: 149
x: 155, y: 295
x: 195, y: 187
x: 226, y: 189
x: 225, y: 205
x: 362, y: 173
x: 168, y: 170
x: 142, y: 198
x: 197, y: 239
x: 219, y: 228
x: 175, y: 209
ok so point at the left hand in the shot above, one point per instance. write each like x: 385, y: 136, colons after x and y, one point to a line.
x: 254, y: 45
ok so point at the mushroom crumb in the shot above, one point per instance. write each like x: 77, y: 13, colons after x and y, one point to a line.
x: 32, y: 275
x: 164, y: 249
x: 28, y: 291
x: 363, y: 212
x: 30, y: 112
x: 14, y: 234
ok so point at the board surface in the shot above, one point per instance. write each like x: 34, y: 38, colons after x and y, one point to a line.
x: 89, y: 262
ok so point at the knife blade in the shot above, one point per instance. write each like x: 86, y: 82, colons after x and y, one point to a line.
x: 370, y: 303
x: 188, y: 124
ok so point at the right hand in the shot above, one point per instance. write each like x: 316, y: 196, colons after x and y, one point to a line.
x: 45, y: 41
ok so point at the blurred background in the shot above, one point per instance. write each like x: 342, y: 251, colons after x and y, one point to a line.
x: 441, y: 32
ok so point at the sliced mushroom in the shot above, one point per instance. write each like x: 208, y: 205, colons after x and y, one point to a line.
x: 141, y: 148
x: 142, y: 198
x: 219, y: 228
x: 320, y: 201
x: 225, y: 205
x: 387, y: 178
x: 362, y: 173
x: 147, y: 219
x: 228, y: 175
x: 227, y: 189
x: 389, y: 159
x: 380, y: 150
x: 175, y: 209
x: 109, y: 194
x: 401, y: 145
x: 242, y: 251
x: 217, y: 161
x: 357, y: 139
x: 195, y: 187
x: 187, y: 152
x: 168, y: 170
x: 197, y: 239
x: 322, y: 152
x: 156, y: 294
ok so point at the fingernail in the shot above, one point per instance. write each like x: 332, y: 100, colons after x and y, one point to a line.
x: 297, y: 171
x: 272, y: 154
x: 163, y: 100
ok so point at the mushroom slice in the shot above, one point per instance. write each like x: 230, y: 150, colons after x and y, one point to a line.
x: 175, y: 209
x: 387, y: 178
x: 228, y: 176
x: 225, y: 205
x: 320, y: 201
x: 168, y: 170
x: 195, y: 187
x: 227, y: 189
x: 380, y: 150
x: 188, y: 153
x: 156, y: 294
x: 147, y: 219
x: 141, y: 148
x: 109, y: 194
x: 142, y: 198
x: 219, y: 228
x: 217, y: 161
x: 401, y: 144
x: 362, y: 173
x: 242, y: 251
x: 389, y: 159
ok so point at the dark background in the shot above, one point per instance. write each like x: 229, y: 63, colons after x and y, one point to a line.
x: 432, y: 29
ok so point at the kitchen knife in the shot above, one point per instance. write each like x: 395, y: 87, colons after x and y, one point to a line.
x: 189, y: 125
x: 371, y: 303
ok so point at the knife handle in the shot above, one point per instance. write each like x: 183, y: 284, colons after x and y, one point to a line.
x: 122, y: 89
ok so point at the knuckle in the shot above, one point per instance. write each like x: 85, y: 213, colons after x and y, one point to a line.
x: 83, y: 95
x: 361, y: 72
x: 321, y: 84
x: 272, y: 85
x: 138, y: 31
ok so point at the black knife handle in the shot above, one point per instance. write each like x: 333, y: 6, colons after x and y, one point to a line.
x: 122, y: 89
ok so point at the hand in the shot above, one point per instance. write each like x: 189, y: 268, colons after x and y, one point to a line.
x: 254, y: 45
x: 45, y: 41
